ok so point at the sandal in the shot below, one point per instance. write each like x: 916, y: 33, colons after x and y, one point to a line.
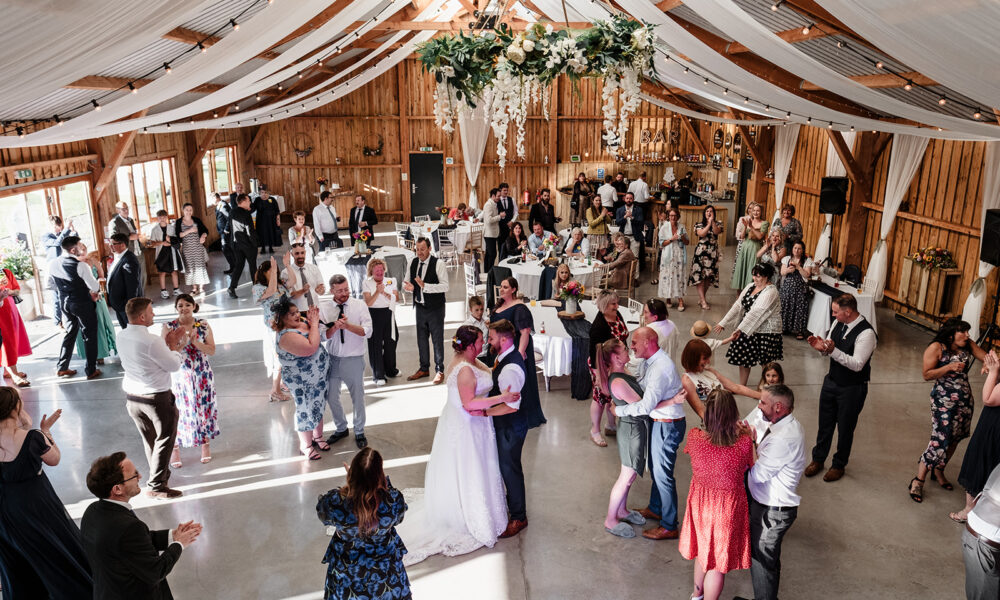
x: 681, y: 307
x: 941, y: 480
x: 312, y: 454
x: 954, y: 517
x: 321, y: 444
x: 176, y: 464
x: 20, y: 381
x: 597, y: 439
x: 277, y: 397
x: 917, y: 496
x: 704, y: 305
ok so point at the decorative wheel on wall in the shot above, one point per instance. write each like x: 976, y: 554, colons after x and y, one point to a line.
x: 302, y: 145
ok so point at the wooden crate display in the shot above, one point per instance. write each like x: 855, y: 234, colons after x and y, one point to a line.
x: 928, y: 290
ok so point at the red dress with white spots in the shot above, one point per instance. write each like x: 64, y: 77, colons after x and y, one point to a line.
x: 716, y: 527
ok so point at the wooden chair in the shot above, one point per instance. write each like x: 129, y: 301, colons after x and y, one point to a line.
x: 421, y: 219
x: 629, y: 292
x: 409, y: 245
x: 598, y: 281
x: 654, y: 266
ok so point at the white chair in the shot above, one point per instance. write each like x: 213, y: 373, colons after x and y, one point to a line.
x: 402, y: 231
x: 635, y: 306
x: 471, y: 288
x: 421, y: 219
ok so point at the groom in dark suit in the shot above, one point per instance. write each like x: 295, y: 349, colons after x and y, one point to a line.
x: 128, y: 560
x: 511, y: 421
x: 362, y: 218
x: 123, y: 278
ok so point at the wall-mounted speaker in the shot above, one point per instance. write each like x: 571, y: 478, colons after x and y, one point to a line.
x: 833, y: 195
x: 990, y: 251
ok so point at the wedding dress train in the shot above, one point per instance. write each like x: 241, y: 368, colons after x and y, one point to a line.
x: 462, y: 506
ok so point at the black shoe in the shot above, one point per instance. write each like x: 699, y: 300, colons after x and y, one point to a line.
x: 232, y: 294
x: 741, y: 598
x: 227, y: 271
x: 361, y: 441
x: 336, y: 437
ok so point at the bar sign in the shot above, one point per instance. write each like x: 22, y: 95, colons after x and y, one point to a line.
x: 23, y: 174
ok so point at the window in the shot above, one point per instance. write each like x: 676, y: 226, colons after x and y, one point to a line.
x: 24, y: 217
x: 148, y: 187
x: 218, y: 167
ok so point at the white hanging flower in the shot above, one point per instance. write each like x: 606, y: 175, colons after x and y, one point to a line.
x: 549, y: 28
x: 447, y: 71
x: 528, y: 45
x: 640, y: 39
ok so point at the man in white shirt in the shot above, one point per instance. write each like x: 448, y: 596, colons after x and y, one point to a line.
x: 348, y: 326
x: 850, y: 346
x: 661, y: 402
x: 608, y: 194
x: 427, y: 278
x: 148, y: 360
x: 981, y: 542
x: 492, y: 217
x: 640, y: 189
x: 537, y: 238
x: 305, y: 280
x: 325, y: 222
x: 771, y: 482
x: 78, y: 291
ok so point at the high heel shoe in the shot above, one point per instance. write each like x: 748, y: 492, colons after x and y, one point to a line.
x: 917, y: 496
x: 938, y: 476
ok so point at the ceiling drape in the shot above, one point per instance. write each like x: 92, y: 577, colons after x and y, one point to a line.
x: 907, y: 153
x: 834, y: 168
x: 973, y: 311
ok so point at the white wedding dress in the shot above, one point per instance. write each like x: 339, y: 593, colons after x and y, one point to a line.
x: 462, y: 506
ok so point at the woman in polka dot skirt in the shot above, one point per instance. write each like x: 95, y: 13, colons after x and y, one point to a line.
x: 756, y: 316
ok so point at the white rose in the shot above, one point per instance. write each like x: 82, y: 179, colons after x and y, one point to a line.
x: 528, y: 45
x: 639, y: 39
x: 549, y: 28
x: 515, y: 54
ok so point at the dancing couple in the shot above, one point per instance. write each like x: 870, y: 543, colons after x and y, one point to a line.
x: 476, y: 452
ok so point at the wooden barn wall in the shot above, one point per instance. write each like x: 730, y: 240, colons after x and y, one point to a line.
x: 339, y: 131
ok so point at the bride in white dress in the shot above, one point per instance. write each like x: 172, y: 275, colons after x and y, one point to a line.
x: 463, y: 505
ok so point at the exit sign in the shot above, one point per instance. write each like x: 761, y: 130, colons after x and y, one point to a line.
x: 427, y: 148
x: 23, y: 174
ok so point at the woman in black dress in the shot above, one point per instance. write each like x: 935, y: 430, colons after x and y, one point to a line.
x: 512, y: 308
x: 41, y: 555
x: 608, y: 324
x: 795, y: 290
x: 515, y: 243
x: 268, y: 221
x: 983, y: 453
x: 582, y: 192
x: 365, y: 555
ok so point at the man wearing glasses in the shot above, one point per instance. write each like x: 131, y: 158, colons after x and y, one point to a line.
x: 128, y: 560
x: 124, y: 277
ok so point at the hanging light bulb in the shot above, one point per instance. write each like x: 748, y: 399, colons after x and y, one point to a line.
x: 809, y: 119
x: 280, y: 87
x: 96, y: 105
x: 977, y: 115
x: 20, y: 132
x: 767, y: 108
x: 879, y: 65
x: 943, y: 100
x: 132, y: 88
x: 840, y: 44
x: 58, y: 121
x: 202, y: 48
x: 746, y: 100
x: 258, y: 97
x: 300, y: 75
x: 725, y: 92
x: 908, y: 86
x: 807, y: 29
x: 168, y: 125
x: 788, y: 115
x: 236, y: 107
x: 777, y: 5
x: 166, y: 67
x: 121, y: 135
x: 687, y: 70
x: 215, y: 114
x: 319, y: 62
x: 852, y: 128
x: 830, y: 126
x: 192, y: 120
x: 706, y: 81
x: 236, y: 26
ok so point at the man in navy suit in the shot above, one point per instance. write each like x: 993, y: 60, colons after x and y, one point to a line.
x: 123, y: 277
x: 127, y: 559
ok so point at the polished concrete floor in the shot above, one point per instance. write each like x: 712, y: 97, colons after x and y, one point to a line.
x: 860, y: 537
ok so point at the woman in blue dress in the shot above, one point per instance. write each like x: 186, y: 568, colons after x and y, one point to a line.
x: 365, y: 555
x: 304, y: 364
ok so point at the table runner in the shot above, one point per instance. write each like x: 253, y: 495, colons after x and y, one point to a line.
x: 580, y: 382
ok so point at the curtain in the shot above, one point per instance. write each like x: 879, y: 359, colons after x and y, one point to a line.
x: 907, y: 153
x: 474, y: 129
x: 834, y: 168
x: 974, y: 303
x: 784, y: 150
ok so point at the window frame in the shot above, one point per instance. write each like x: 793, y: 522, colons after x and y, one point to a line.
x: 169, y: 200
x: 211, y: 177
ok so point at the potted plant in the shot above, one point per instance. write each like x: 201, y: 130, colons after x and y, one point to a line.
x: 16, y: 258
x: 361, y: 240
x: 571, y: 294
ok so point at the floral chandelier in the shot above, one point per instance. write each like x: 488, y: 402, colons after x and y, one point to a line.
x: 508, y: 72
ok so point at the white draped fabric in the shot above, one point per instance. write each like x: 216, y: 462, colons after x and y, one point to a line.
x: 953, y: 43
x: 474, y: 129
x: 834, y: 168
x: 973, y: 310
x: 745, y: 29
x: 784, y: 150
x: 48, y: 44
x: 907, y: 153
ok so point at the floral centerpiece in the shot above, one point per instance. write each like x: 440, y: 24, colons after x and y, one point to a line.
x: 507, y: 72
x: 322, y: 182
x: 17, y: 259
x: 361, y: 239
x: 934, y: 258
x: 571, y: 293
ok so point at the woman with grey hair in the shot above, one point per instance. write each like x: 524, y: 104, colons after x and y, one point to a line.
x: 576, y: 246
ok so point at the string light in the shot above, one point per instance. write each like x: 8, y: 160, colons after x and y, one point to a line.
x: 215, y: 115
x: 258, y: 96
x: 725, y: 92
x: 809, y: 120
x: 807, y: 29
x: 879, y: 65
x: 908, y: 86
x: 96, y: 105
x: 202, y: 48
x: 121, y: 134
x: 852, y: 128
x: 58, y: 121
x: 977, y: 115
x: 706, y: 81
x: 830, y: 126
x: 777, y: 5
x: 942, y: 100
x: 20, y: 132
x: 280, y: 87
x: 300, y: 75
x: 132, y: 88
x: 236, y: 26
x: 236, y: 107
x: 166, y: 68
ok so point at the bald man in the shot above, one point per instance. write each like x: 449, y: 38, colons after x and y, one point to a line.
x: 660, y: 401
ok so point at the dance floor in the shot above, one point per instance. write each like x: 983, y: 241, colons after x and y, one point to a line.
x: 861, y: 537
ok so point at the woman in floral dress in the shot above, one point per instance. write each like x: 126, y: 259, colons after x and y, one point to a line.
x: 795, y: 290
x: 705, y: 266
x: 673, y: 240
x: 746, y: 258
x: 193, y: 384
x: 945, y: 360
x: 304, y: 363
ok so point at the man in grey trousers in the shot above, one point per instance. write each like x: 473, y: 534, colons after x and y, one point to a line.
x: 348, y: 327
x: 981, y: 543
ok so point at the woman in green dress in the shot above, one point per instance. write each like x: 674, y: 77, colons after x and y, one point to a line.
x: 105, y: 330
x: 746, y: 256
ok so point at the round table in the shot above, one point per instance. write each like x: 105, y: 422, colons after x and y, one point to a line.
x: 529, y: 274
x: 564, y: 233
x: 355, y: 268
x: 460, y: 235
x: 429, y: 230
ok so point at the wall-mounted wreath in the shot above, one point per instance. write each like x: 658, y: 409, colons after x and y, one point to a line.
x: 374, y: 149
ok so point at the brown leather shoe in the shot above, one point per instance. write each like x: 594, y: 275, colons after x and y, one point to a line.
x: 164, y: 493
x: 438, y: 378
x: 514, y: 527
x: 659, y: 533
x: 417, y: 375
x: 97, y: 373
x: 813, y: 468
x: 65, y: 373
x: 648, y: 514
x: 833, y: 474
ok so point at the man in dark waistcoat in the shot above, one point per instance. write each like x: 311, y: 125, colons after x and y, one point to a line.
x: 850, y: 345
x: 427, y: 278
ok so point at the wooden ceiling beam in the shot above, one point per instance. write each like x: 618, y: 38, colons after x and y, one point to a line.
x: 204, y: 145
x: 115, y: 161
x: 315, y: 22
x: 882, y: 81
x: 820, y: 16
x: 192, y: 37
x: 791, y: 36
x: 665, y: 5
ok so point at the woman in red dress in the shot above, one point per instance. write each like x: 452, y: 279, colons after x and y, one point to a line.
x: 15, y: 337
x: 716, y: 529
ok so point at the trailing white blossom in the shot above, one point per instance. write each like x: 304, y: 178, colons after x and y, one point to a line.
x: 445, y: 106
x: 610, y: 114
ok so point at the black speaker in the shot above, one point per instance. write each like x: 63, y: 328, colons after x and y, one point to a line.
x: 833, y: 195
x: 990, y: 251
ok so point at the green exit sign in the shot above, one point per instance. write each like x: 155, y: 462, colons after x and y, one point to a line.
x: 427, y: 148
x: 23, y: 174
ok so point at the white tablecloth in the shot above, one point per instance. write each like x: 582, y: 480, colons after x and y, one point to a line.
x: 555, y: 345
x: 564, y: 233
x: 460, y: 235
x: 426, y: 230
x: 820, y: 318
x: 332, y: 262
x: 529, y: 275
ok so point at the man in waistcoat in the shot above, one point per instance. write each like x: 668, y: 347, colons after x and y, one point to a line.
x: 428, y: 280
x: 78, y: 291
x: 511, y: 421
x: 850, y: 345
